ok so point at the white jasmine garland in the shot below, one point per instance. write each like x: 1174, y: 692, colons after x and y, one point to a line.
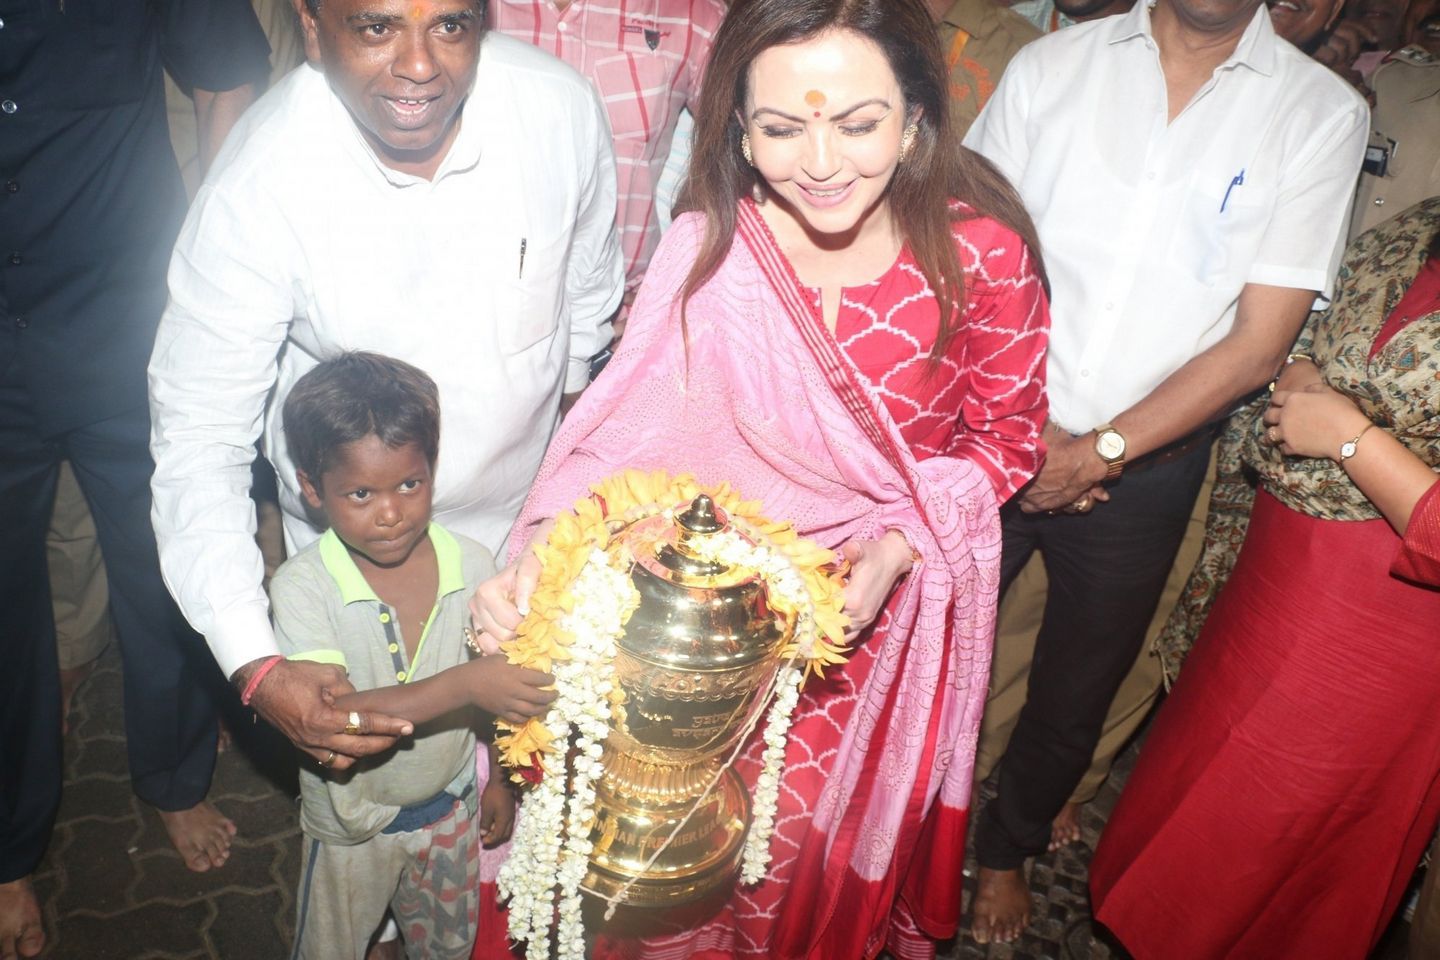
x: 551, y: 848
x: 767, y: 788
x: 780, y: 576
x: 550, y: 853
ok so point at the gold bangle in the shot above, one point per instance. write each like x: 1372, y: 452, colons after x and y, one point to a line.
x: 1289, y: 359
x: 915, y: 558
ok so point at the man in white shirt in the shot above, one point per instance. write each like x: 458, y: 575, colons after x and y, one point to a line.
x: 392, y: 196
x: 1189, y: 175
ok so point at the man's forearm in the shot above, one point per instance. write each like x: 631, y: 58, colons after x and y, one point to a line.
x: 1207, y: 387
x: 1201, y: 392
x: 215, y: 114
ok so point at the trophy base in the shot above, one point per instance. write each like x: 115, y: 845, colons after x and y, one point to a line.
x: 703, y: 857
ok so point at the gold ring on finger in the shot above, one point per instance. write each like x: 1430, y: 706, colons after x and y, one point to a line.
x: 352, y: 725
x: 1082, y: 504
x: 329, y: 761
x: 1274, y: 434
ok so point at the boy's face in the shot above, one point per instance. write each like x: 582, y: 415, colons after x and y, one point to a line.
x: 377, y: 499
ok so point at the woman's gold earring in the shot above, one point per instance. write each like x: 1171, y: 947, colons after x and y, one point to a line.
x: 907, y: 139
x: 745, y: 149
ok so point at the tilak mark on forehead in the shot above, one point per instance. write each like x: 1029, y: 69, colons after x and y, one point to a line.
x: 815, y: 99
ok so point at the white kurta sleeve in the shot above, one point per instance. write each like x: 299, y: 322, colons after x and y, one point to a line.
x: 212, y: 369
x: 596, y: 279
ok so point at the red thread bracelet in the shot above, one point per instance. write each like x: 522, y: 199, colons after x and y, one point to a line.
x: 255, y: 678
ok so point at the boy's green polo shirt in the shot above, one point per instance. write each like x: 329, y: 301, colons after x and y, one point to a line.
x: 325, y: 610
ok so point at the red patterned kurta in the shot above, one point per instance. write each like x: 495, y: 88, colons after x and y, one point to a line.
x: 983, y: 400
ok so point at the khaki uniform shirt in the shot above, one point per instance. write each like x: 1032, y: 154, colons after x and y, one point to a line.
x: 1405, y: 131
x: 287, y: 51
x: 979, y: 38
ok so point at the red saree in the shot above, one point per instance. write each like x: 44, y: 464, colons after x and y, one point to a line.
x: 870, y: 831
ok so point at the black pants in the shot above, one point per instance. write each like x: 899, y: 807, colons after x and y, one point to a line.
x: 1107, y: 569
x: 170, y: 726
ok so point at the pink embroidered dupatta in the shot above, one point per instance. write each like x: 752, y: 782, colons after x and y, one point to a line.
x: 870, y: 834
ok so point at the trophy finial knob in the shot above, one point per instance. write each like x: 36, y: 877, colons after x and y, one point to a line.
x: 702, y: 516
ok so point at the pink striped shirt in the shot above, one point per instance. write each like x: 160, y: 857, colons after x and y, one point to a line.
x: 645, y: 58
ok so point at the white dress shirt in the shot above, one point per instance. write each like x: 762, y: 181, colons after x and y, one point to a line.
x: 1150, y: 230
x: 497, y: 278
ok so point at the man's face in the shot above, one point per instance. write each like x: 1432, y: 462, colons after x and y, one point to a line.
x: 1084, y: 9
x: 1303, y: 21
x: 401, y: 67
x: 1215, y: 16
x: 1422, y: 25
x: 1383, y: 18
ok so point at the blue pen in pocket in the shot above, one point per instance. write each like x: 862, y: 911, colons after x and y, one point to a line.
x: 1236, y: 181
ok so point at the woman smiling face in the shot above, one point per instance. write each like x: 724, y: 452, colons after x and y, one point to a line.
x: 825, y: 118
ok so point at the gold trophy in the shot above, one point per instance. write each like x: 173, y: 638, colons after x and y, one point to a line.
x: 672, y: 617
x: 695, y: 658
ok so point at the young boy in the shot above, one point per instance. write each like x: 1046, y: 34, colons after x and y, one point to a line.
x: 383, y: 593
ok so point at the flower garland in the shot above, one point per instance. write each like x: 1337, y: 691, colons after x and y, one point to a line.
x: 540, y: 864
x: 577, y: 614
x: 788, y: 593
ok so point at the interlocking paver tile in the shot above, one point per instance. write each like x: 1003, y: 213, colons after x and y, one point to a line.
x: 103, y: 795
x: 102, y: 755
x: 250, y: 925
x: 150, y: 930
x: 98, y: 870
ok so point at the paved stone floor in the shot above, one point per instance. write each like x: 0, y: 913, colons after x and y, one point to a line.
x: 113, y: 889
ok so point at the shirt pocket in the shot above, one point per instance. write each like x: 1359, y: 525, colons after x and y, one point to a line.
x: 635, y: 90
x: 113, y: 50
x: 529, y: 293
x: 1221, y: 226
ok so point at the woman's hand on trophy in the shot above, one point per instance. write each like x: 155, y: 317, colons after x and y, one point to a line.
x: 501, y: 602
x: 875, y: 567
x: 514, y: 694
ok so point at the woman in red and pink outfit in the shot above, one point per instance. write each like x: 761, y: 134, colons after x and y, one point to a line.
x: 789, y: 339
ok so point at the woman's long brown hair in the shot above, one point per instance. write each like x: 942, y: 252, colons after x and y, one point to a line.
x: 936, y: 170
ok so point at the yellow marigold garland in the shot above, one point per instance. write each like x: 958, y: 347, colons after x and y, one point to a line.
x: 614, y: 504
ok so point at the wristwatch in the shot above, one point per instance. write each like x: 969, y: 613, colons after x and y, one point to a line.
x: 1348, y: 448
x: 1110, y: 445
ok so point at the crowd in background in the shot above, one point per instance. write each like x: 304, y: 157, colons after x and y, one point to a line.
x: 1212, y: 322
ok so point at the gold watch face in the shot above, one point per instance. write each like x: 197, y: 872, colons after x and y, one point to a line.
x: 1110, y: 445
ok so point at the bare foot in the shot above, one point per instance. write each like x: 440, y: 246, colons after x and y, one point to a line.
x: 20, y: 930
x: 1002, y: 906
x: 385, y: 950
x: 201, y: 835
x: 224, y: 739
x: 1065, y: 828
x: 70, y: 680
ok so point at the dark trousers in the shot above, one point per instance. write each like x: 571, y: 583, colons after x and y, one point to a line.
x: 170, y: 725
x: 1107, y: 569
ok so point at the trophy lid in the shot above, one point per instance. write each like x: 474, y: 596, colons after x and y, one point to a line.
x: 695, y: 613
